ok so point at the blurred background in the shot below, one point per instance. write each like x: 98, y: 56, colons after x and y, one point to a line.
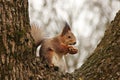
x: 88, y: 20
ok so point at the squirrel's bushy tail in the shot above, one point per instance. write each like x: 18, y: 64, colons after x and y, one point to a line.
x: 37, y: 34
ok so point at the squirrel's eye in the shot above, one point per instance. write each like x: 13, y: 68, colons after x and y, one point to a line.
x: 69, y: 36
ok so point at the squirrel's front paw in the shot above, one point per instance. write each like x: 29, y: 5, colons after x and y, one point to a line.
x: 72, y: 50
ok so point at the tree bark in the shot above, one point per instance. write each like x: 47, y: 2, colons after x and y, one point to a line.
x: 15, y: 40
x: 104, y: 63
x: 17, y: 51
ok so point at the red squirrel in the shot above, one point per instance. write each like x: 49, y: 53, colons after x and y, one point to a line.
x: 54, y: 49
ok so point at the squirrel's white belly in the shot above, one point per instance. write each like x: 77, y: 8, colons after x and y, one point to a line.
x: 59, y: 62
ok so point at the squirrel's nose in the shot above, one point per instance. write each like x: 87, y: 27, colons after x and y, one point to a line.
x: 74, y: 43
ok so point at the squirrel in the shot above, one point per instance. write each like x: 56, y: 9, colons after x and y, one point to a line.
x: 54, y: 49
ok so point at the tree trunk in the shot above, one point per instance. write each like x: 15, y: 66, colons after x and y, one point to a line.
x: 17, y: 51
x: 15, y: 40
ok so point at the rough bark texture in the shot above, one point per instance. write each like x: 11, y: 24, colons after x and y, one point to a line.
x: 17, y: 58
x: 104, y: 63
x: 15, y: 39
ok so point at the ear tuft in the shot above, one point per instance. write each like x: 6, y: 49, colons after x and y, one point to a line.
x: 67, y: 26
x: 66, y: 29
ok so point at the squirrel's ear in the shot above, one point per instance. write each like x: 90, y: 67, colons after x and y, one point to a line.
x: 65, y: 29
